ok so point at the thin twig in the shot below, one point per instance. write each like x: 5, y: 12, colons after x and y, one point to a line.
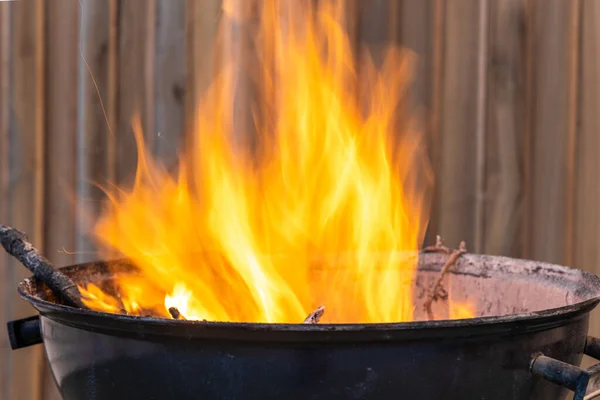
x: 438, y: 247
x: 437, y: 291
x: 315, y: 316
x: 175, y: 313
x: 17, y: 245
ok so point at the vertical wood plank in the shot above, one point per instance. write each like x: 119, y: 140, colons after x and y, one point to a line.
x: 60, y: 172
x: 97, y: 86
x: 481, y: 99
x: 456, y: 178
x: 62, y: 59
x: 6, y: 292
x: 504, y: 150
x: 587, y: 189
x: 26, y: 181
x: 549, y: 207
x: 434, y: 92
x: 573, y: 70
x: 526, y: 229
x: 137, y: 44
x: 201, y: 34
x: 413, y: 23
x: 170, y: 79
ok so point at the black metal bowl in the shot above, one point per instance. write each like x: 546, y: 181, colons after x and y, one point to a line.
x: 530, y: 329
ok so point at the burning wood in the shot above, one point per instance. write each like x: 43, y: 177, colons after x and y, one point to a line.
x: 315, y: 316
x: 437, y: 291
x: 175, y: 313
x: 17, y: 245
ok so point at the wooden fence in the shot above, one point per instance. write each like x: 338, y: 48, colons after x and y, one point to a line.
x: 510, y: 89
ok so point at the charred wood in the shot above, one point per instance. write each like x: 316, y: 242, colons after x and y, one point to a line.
x: 17, y: 245
x: 175, y: 313
x: 315, y: 316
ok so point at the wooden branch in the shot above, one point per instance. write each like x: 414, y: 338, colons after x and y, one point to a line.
x: 17, y: 245
x: 437, y: 291
x: 315, y: 316
x: 176, y: 314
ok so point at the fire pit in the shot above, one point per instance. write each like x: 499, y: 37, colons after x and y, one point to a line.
x: 526, y: 341
x: 289, y: 269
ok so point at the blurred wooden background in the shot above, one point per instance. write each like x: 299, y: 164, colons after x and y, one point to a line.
x: 509, y: 91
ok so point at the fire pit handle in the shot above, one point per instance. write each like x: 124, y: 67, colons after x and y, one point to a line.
x: 24, y: 332
x: 585, y: 383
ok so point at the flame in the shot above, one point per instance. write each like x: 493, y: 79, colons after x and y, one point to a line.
x: 101, y: 301
x: 461, y: 310
x: 182, y: 298
x: 316, y: 212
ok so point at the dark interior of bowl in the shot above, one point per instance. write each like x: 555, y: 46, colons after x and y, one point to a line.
x: 480, y: 285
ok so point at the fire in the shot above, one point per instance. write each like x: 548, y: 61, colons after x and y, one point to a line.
x: 315, y: 213
x: 183, y: 299
x: 461, y: 311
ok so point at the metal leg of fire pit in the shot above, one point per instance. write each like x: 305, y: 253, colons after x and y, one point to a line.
x: 585, y: 383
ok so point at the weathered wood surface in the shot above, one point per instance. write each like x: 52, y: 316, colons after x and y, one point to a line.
x: 24, y: 190
x: 97, y: 55
x: 136, y: 71
x: 5, y: 87
x: 508, y: 92
x: 456, y: 177
x: 5, y: 97
x: 586, y: 252
x: 505, y: 128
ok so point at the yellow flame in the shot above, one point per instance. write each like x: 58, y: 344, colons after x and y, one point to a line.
x: 101, y: 301
x: 461, y: 310
x: 183, y: 299
x: 315, y: 213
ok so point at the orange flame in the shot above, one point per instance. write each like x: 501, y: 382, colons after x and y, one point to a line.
x: 461, y: 310
x: 316, y: 213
